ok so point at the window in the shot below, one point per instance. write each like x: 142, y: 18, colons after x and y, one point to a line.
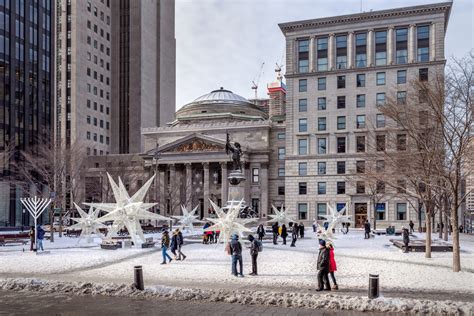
x: 321, y: 103
x: 380, y: 48
x: 302, y: 105
x: 321, y: 123
x: 341, y: 122
x: 321, y: 188
x: 341, y: 82
x: 380, y: 210
x: 360, y: 121
x: 341, y: 188
x: 401, y: 186
x: 302, y: 168
x: 401, y: 44
x: 401, y: 142
x: 281, y: 136
x: 321, y: 209
x: 88, y: 135
x: 88, y: 119
x: 303, y: 125
x: 401, y: 76
x: 380, y: 142
x: 341, y: 144
x: 281, y: 190
x: 379, y: 166
x: 321, y: 168
x: 95, y: 121
x: 360, y: 80
x: 341, y: 102
x: 401, y: 97
x: 360, y: 144
x: 423, y: 74
x: 360, y: 166
x: 321, y: 146
x: 361, y: 50
x: 322, y: 54
x: 341, y: 52
x: 322, y: 84
x: 303, y: 85
x: 380, y: 120
x: 281, y: 153
x: 302, y: 146
x: 360, y: 101
x: 360, y: 187
x: 281, y: 172
x: 380, y: 99
x: 341, y: 167
x: 302, y: 188
x: 380, y: 187
x: 423, y: 43
x: 255, y: 175
x: 401, y: 211
x: 303, y: 55
x: 302, y: 211
x: 381, y: 78
x: 94, y: 137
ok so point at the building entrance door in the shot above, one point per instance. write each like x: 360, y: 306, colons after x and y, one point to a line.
x: 201, y: 208
x: 360, y: 214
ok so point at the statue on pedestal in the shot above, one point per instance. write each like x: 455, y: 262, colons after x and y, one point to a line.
x: 236, y: 153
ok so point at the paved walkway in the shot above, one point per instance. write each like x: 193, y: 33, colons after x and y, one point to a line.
x: 15, y: 303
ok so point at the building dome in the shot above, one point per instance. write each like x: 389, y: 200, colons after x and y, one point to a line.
x: 219, y: 104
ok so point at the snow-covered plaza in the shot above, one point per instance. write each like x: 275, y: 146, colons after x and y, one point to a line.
x: 287, y: 276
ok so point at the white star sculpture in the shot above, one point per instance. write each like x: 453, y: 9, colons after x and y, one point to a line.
x: 128, y: 211
x: 280, y: 216
x: 88, y: 223
x: 228, y: 223
x: 335, y: 219
x: 188, y: 218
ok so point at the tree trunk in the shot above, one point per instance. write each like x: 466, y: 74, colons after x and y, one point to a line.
x: 446, y: 224
x: 455, y: 239
x: 51, y: 219
x: 428, y: 236
x: 375, y: 215
x: 440, y: 220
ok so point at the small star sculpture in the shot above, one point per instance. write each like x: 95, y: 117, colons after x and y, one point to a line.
x: 335, y: 219
x: 88, y: 223
x: 188, y: 218
x: 281, y: 217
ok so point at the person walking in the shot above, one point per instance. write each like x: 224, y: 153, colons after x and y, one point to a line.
x: 323, y: 267
x: 180, y: 243
x: 260, y: 232
x: 204, y: 236
x: 165, y: 243
x: 301, y: 227
x: 406, y: 238
x: 254, y: 247
x: 31, y: 233
x: 367, y: 229
x: 236, y: 253
x: 332, y: 265
x: 294, y: 234
x: 315, y: 225
x: 284, y: 233
x: 412, y: 225
x: 40, y: 236
x: 275, y: 233
x: 174, y: 244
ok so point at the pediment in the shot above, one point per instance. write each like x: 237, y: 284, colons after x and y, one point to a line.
x: 193, y: 143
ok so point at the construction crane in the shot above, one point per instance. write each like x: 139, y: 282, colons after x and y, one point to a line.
x: 278, y: 69
x: 256, y: 80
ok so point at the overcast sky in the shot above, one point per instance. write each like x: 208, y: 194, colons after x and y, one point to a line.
x: 224, y: 42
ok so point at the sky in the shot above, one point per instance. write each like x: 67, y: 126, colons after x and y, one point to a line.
x: 223, y: 43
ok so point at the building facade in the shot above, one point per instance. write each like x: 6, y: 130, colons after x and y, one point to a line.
x: 26, y: 90
x: 337, y: 70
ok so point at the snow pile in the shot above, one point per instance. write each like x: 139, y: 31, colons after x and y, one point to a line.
x: 247, y: 297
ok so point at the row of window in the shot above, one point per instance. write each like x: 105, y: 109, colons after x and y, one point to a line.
x: 360, y: 59
x: 98, y: 107
x: 103, y: 17
x: 94, y: 74
x: 360, y: 121
x: 380, y: 79
x: 97, y: 31
x: 96, y: 91
x: 96, y: 45
x: 96, y: 122
x: 102, y: 63
x: 98, y: 138
x: 95, y: 152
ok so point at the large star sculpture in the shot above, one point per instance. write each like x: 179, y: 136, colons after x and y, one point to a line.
x: 127, y: 211
x: 335, y: 219
x: 88, y: 223
x: 228, y: 223
x: 188, y: 218
x: 281, y: 217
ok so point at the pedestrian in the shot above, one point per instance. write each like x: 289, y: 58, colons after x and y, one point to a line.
x: 347, y: 227
x: 255, y: 245
x: 406, y: 238
x: 326, y: 225
x: 40, y: 236
x: 412, y: 225
x: 165, y: 243
x: 174, y: 244
x: 284, y: 233
x: 367, y: 229
x: 218, y: 233
x: 275, y: 229
x: 204, y: 236
x: 332, y: 265
x: 236, y: 252
x: 323, y: 267
x: 31, y: 233
x: 461, y: 228
x: 315, y: 225
x: 180, y: 243
x: 294, y: 234
x: 260, y: 232
x: 301, y: 230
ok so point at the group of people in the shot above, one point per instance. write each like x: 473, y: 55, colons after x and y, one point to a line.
x: 326, y: 266
x: 174, y: 243
x: 210, y: 237
x: 234, y: 249
x: 297, y: 231
x: 39, y: 238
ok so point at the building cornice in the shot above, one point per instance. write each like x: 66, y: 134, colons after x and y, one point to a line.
x: 224, y: 126
x: 443, y: 7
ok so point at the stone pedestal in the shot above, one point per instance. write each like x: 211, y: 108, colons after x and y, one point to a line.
x: 236, y: 189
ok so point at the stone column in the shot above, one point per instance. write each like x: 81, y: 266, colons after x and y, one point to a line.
x: 350, y: 50
x: 331, y: 52
x: 433, y: 42
x: 174, y: 190
x: 264, y: 189
x: 370, y: 48
x: 189, y: 186
x: 224, y: 184
x: 162, y: 197
x: 246, y: 171
x: 205, y: 185
x: 411, y: 44
x: 390, y: 45
x: 311, y: 54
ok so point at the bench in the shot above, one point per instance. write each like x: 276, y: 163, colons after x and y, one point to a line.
x: 73, y: 232
x: 13, y: 239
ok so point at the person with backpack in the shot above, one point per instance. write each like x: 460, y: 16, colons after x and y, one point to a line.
x: 235, y: 250
x: 260, y: 232
x: 40, y: 236
x: 294, y: 234
x: 284, y: 233
x: 275, y: 233
x: 255, y: 248
x: 180, y: 242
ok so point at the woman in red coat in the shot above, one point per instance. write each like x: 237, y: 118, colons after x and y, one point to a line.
x: 332, y: 265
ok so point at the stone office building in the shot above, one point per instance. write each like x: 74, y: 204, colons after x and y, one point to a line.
x: 337, y: 70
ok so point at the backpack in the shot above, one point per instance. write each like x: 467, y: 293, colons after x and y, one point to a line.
x: 259, y: 246
x: 228, y: 249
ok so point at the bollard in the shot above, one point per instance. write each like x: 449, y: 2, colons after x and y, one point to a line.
x: 139, y: 278
x: 373, y: 286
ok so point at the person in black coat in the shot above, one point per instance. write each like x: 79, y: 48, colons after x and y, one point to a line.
x: 275, y: 233
x: 406, y: 238
x: 253, y: 253
x: 367, y: 229
x: 260, y: 232
x: 294, y: 234
x: 284, y: 233
x: 323, y: 267
x: 301, y: 227
x: 180, y: 243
